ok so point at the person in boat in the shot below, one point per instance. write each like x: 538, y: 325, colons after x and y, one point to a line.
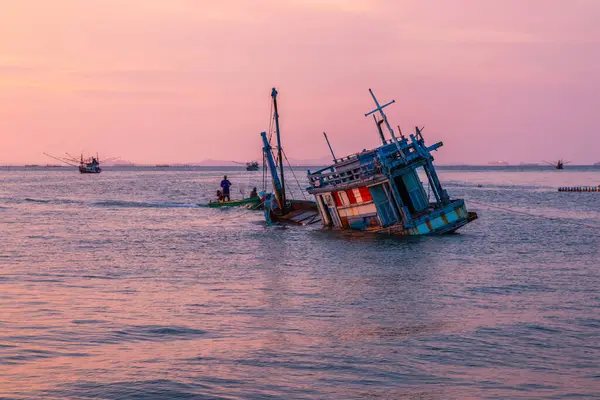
x: 253, y: 193
x: 219, y: 196
x: 225, y: 184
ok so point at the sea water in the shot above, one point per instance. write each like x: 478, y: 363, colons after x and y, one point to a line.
x: 124, y: 286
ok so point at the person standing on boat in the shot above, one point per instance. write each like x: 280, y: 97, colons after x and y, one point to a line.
x: 253, y: 194
x: 225, y: 184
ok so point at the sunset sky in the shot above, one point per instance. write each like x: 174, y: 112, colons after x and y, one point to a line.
x: 166, y: 81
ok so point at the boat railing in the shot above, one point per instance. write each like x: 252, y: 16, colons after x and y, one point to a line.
x: 342, y: 159
x: 332, y: 177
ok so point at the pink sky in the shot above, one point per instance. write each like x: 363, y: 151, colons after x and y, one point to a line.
x: 157, y: 81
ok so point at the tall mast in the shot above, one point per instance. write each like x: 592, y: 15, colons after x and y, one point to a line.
x: 282, y: 205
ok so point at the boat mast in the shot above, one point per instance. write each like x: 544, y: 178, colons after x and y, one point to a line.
x: 328, y: 144
x: 276, y: 115
x: 268, y: 155
x: 387, y: 124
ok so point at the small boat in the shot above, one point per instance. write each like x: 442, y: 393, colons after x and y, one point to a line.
x: 235, y: 203
x: 252, y: 166
x: 90, y: 166
x: 560, y: 164
x: 381, y: 191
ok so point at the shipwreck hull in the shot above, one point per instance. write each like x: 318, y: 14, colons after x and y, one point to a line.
x: 444, y: 221
x: 299, y: 212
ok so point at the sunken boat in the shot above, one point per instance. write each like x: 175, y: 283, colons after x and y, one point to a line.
x: 380, y: 190
x: 286, y: 209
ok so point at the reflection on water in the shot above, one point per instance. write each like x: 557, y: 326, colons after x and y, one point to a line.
x: 123, y: 287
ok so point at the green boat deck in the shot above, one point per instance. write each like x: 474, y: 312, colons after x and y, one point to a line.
x: 235, y: 203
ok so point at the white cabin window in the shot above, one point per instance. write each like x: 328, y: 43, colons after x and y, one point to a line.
x: 328, y: 200
x: 344, y: 198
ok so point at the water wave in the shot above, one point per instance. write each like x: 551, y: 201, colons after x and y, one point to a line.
x: 151, y: 333
x: 52, y: 201
x: 138, y: 204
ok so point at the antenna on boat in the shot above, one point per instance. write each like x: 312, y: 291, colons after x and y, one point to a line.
x: 279, y: 155
x: 378, y: 123
x: 328, y: 144
x: 400, y: 132
x: 419, y: 135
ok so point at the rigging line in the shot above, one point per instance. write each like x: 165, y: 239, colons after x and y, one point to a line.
x: 537, y: 216
x: 287, y: 184
x: 291, y: 169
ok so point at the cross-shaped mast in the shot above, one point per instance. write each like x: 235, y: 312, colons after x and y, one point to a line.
x: 384, y: 118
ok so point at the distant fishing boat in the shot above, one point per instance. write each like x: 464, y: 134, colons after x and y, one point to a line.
x: 286, y: 210
x: 559, y: 164
x: 252, y: 166
x: 380, y: 190
x: 90, y: 165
